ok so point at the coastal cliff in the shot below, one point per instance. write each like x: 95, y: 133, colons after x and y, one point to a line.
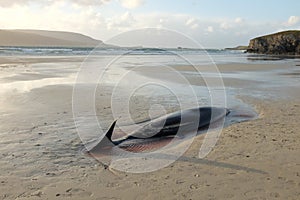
x: 282, y: 43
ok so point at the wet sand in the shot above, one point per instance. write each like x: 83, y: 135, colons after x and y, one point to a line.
x: 40, y: 157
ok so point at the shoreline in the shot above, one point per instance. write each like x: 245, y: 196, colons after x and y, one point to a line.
x: 40, y: 155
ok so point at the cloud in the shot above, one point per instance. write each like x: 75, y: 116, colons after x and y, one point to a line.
x: 192, y: 23
x: 208, y: 32
x: 9, y: 3
x: 53, y: 17
x: 122, y: 22
x: 228, y: 24
x: 210, y: 29
x: 238, y: 20
x: 131, y: 4
x: 293, y: 20
x: 89, y: 2
x: 225, y: 25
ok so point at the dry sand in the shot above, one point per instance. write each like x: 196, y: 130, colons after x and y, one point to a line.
x: 40, y: 156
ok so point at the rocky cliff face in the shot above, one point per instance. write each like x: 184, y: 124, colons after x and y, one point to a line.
x: 287, y: 42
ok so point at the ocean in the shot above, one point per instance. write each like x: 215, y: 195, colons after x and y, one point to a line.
x: 197, y: 56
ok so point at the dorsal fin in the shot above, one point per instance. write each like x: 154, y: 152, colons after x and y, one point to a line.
x: 110, y: 131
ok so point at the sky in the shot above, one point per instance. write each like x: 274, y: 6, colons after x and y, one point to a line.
x: 211, y: 23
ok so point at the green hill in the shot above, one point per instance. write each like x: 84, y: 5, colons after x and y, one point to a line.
x: 41, y: 38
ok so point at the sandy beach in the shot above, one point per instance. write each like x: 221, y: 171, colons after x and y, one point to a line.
x: 40, y: 147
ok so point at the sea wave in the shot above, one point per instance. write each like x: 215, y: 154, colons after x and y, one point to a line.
x: 64, y: 51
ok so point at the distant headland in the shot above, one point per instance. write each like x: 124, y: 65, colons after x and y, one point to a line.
x: 43, y: 38
x: 281, y: 43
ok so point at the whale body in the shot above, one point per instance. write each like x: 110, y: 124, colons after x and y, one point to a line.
x: 159, y: 132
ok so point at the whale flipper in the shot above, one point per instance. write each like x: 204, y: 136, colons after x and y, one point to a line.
x: 110, y: 131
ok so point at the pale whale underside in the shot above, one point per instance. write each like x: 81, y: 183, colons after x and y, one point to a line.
x: 159, y: 132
